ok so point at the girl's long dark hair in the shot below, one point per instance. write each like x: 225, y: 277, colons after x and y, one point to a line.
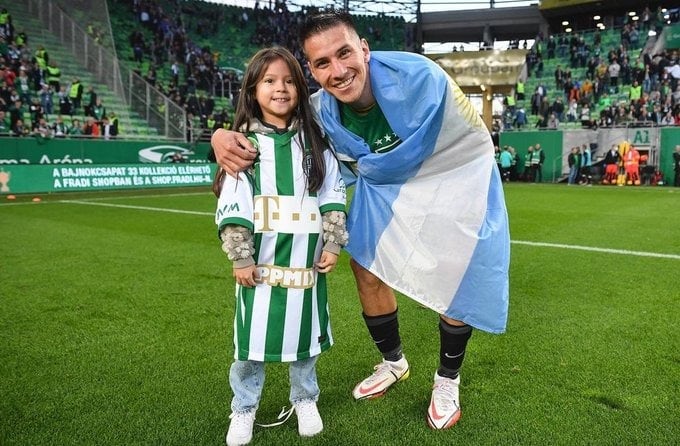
x: 248, y: 109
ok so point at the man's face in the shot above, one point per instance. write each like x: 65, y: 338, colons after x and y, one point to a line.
x: 338, y: 60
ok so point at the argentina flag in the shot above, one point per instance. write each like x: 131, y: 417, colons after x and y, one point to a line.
x: 428, y: 217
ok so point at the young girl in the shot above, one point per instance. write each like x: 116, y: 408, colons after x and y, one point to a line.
x: 282, y: 224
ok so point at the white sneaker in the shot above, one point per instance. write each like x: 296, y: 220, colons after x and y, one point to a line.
x: 309, y: 420
x: 240, y: 428
x: 444, y: 410
x: 386, y: 373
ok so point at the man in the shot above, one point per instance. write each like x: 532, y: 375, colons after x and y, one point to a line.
x: 676, y: 166
x: 537, y: 160
x: 586, y: 164
x: 574, y: 160
x: 428, y: 216
x: 527, y: 174
x: 506, y: 163
x: 108, y: 130
x: 75, y: 93
x: 611, y: 165
x: 614, y: 71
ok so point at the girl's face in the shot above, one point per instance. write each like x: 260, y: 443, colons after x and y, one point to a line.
x: 276, y: 94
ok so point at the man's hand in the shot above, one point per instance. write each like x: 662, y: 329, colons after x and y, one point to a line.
x: 233, y: 151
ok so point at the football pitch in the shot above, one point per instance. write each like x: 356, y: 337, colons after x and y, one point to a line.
x: 116, y: 317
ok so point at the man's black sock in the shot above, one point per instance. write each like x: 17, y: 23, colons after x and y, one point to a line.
x: 453, y: 341
x: 384, y: 330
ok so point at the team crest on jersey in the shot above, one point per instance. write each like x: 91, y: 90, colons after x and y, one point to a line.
x: 386, y: 143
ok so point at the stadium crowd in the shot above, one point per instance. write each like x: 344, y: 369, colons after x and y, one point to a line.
x: 621, y: 85
x: 36, y: 97
x: 196, y: 77
x: 586, y: 88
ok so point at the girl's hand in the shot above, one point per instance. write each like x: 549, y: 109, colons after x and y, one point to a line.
x: 327, y: 262
x: 246, y: 276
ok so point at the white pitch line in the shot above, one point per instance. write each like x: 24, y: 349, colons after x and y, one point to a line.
x: 141, y: 208
x: 516, y: 242
x: 125, y: 197
x: 86, y: 200
x: 594, y: 249
x: 22, y: 203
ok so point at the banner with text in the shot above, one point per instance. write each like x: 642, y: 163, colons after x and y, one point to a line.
x: 87, y: 151
x: 32, y: 178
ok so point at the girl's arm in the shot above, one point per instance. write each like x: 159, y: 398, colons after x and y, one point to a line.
x: 238, y: 244
x: 335, y: 236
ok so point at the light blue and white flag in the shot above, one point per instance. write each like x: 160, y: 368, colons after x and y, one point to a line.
x: 429, y: 217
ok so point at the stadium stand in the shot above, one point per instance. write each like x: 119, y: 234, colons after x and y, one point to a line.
x: 599, y: 78
x: 211, y: 44
x: 194, y: 52
x: 129, y: 125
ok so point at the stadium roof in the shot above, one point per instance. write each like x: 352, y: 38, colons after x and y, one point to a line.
x: 404, y: 8
x: 477, y: 20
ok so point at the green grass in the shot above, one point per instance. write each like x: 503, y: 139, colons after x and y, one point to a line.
x: 116, y: 325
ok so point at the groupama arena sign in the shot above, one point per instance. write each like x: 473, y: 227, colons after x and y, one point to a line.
x: 83, y: 151
x: 164, y: 154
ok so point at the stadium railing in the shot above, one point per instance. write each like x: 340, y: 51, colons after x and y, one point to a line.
x: 156, y: 108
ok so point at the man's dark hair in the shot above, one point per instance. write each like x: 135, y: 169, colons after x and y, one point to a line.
x: 316, y: 23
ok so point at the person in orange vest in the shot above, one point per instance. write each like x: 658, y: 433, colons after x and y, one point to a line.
x: 631, y: 162
x: 611, y: 163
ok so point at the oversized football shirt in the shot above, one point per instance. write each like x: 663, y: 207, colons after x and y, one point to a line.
x: 285, y: 317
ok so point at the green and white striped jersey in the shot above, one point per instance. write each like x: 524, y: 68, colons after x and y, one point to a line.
x: 285, y: 317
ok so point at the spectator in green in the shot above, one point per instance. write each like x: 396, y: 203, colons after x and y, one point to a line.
x: 21, y: 40
x: 114, y: 122
x: 75, y: 129
x: 98, y: 111
x: 527, y: 174
x: 676, y: 166
x: 605, y: 101
x: 53, y: 75
x: 510, y: 102
x: 41, y: 58
x: 537, y: 159
x: 75, y: 94
x: 16, y: 112
x: 23, y: 86
x: 519, y: 90
x: 5, y: 125
x: 635, y: 91
x: 5, y: 17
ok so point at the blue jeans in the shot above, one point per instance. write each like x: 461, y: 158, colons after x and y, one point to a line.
x: 573, y: 174
x: 247, y: 380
